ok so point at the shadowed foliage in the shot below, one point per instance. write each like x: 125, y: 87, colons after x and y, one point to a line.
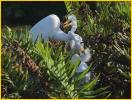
x: 43, y: 71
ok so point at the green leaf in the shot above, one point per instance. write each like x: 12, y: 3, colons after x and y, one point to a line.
x: 94, y: 92
x: 125, y: 74
x: 83, y: 74
x: 89, y: 86
x: 72, y: 69
x: 95, y: 96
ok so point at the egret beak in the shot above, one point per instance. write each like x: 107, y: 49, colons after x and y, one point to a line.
x: 66, y: 24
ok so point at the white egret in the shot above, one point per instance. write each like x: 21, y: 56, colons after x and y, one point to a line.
x: 83, y: 57
x: 71, y: 21
x: 49, y: 29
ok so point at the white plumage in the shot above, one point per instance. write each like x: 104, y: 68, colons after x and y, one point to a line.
x: 75, y: 58
x: 83, y: 57
x: 73, y: 20
x: 49, y: 28
x: 83, y: 66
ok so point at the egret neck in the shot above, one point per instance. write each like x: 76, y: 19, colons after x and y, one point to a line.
x: 60, y: 35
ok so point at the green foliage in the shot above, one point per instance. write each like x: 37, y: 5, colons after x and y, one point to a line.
x: 61, y: 73
x: 109, y: 17
x: 17, y: 82
x: 106, y: 31
x: 58, y: 70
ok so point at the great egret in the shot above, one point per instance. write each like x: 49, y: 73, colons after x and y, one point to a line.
x: 49, y: 29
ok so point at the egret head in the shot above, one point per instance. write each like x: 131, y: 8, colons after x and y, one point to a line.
x: 76, y: 41
x: 72, y: 18
x: 85, y: 56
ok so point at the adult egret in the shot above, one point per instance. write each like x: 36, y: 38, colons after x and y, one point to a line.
x: 49, y: 29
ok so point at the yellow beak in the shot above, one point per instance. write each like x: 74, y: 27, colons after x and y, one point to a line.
x: 82, y: 49
x: 66, y: 24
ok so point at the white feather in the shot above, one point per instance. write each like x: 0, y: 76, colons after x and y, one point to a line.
x: 83, y: 66
x: 75, y: 58
x: 86, y: 56
x: 76, y: 40
x: 73, y: 19
x: 88, y: 77
x: 49, y: 27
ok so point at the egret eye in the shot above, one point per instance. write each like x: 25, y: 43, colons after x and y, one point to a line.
x: 82, y: 43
